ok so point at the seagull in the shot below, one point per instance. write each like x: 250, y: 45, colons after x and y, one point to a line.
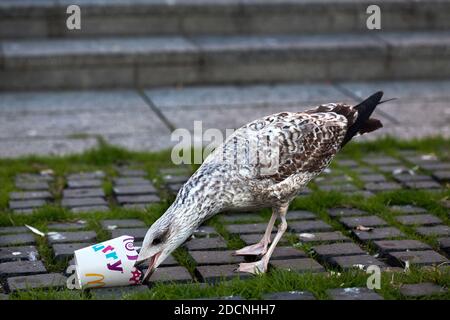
x: 264, y: 164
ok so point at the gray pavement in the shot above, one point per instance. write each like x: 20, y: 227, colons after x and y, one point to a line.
x: 65, y: 122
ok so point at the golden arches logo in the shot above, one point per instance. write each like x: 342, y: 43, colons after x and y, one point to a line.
x: 96, y: 283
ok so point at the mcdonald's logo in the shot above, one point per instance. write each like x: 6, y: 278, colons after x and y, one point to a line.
x: 96, y: 283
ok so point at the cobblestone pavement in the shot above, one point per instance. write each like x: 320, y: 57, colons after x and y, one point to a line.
x: 339, y: 238
x: 43, y: 123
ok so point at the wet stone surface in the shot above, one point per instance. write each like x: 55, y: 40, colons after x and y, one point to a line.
x: 408, y: 209
x: 353, y: 294
x: 117, y: 293
x: 18, y: 268
x: 86, y: 175
x: 240, y: 217
x: 382, y: 186
x: 282, y: 253
x: 17, y: 239
x: 206, y: 244
x: 215, y: 257
x: 337, y: 249
x: 378, y: 234
x: 127, y: 181
x: 248, y: 228
x: 421, y: 289
x: 89, y: 209
x: 367, y: 221
x: 26, y: 204
x: 66, y: 251
x: 30, y: 195
x: 38, y: 281
x: 422, y: 219
x: 83, y: 202
x: 67, y: 226
x: 289, y: 295
x: 425, y: 257
x: 11, y: 230
x: 32, y: 185
x: 300, y: 215
x: 71, y: 237
x: 121, y: 223
x: 440, y: 230
x: 134, y: 190
x: 333, y: 236
x: 423, y: 185
x: 84, y: 183
x: 83, y: 193
x: 298, y: 265
x: 444, y: 244
x: 385, y: 246
x: 167, y: 274
x: 344, y: 212
x: 8, y: 254
x: 357, y: 261
x: 213, y: 274
x: 137, y: 233
x: 309, y: 226
x: 138, y: 199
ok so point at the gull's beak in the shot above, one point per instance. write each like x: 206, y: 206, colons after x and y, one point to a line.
x: 152, y: 263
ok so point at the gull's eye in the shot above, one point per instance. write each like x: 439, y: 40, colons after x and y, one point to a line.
x: 156, y: 241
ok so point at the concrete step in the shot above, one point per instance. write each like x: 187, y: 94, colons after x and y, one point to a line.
x: 47, y: 18
x: 159, y: 61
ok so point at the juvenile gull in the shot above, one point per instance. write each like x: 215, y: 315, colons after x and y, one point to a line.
x: 263, y: 164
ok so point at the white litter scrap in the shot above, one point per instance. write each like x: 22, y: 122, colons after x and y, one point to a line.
x: 56, y: 236
x: 35, y: 231
x: 81, y: 221
x: 47, y: 172
x: 406, y: 266
x: 112, y: 227
x: 429, y: 157
x: 16, y: 253
x: 351, y: 290
x: 307, y: 235
x: 32, y: 256
x: 359, y: 266
x: 363, y: 228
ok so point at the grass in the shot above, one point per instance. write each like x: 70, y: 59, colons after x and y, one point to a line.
x: 107, y: 158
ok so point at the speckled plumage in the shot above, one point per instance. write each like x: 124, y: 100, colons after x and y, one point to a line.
x: 265, y: 163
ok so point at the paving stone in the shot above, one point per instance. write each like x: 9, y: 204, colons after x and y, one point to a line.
x: 4, y: 296
x: 137, y: 206
x: 215, y: 257
x: 30, y: 195
x: 248, y: 228
x: 137, y: 233
x: 83, y: 193
x: 206, y: 244
x: 364, y: 170
x: 300, y: 215
x: 17, y: 239
x: 169, y: 274
x: 423, y: 185
x: 378, y: 234
x: 89, y: 209
x: 444, y: 244
x: 353, y: 294
x: 411, y: 177
x: 67, y: 226
x: 332, y: 236
x: 421, y: 289
x: 131, y: 172
x: 309, y: 225
x: 393, y: 169
x: 32, y: 177
x: 222, y: 298
x: 367, y: 221
x: 138, y: 199
x: 205, y: 231
x: 83, y: 202
x: 37, y: 281
x: 240, y: 217
x: 289, y: 295
x: 436, y: 166
x: 214, y: 274
x: 253, y: 238
x: 400, y: 245
x: 169, y: 262
x: 382, y: 186
x: 408, y: 209
x: 33, y: 186
x: 9, y: 230
x: 344, y: 212
x: 84, y: 183
x: 298, y: 265
x: 121, y: 181
x: 175, y: 187
x: 337, y: 249
x: 348, y: 163
x: 121, y: 223
x: 372, y: 178
x: 19, y: 253
x: 442, y: 175
x: 25, y: 211
x: 355, y: 261
x: 66, y: 251
x: 117, y: 293
x: 347, y: 187
x: 439, y: 230
x: 20, y: 268
x: 422, y: 219
x: 26, y: 204
x: 175, y: 178
x: 425, y: 257
x: 378, y: 161
x: 94, y: 175
x: 68, y: 237
x: 134, y: 190
x: 283, y: 253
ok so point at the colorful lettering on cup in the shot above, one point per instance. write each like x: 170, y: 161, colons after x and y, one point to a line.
x: 97, y: 247
x: 115, y: 266
x: 112, y: 255
x: 108, y: 248
x: 97, y: 283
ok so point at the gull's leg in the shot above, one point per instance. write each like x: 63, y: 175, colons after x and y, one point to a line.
x: 259, y: 248
x: 262, y: 265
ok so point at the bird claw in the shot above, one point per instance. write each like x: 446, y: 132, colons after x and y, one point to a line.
x: 257, y: 249
x: 252, y: 267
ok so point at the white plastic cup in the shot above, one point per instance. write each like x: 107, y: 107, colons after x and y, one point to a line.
x: 108, y: 264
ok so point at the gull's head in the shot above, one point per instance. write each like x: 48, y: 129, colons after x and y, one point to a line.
x: 163, y: 237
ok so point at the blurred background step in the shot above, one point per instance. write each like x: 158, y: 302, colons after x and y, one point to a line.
x: 47, y: 18
x: 177, y: 60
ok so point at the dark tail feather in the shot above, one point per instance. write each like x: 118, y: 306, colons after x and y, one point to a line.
x: 363, y: 124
